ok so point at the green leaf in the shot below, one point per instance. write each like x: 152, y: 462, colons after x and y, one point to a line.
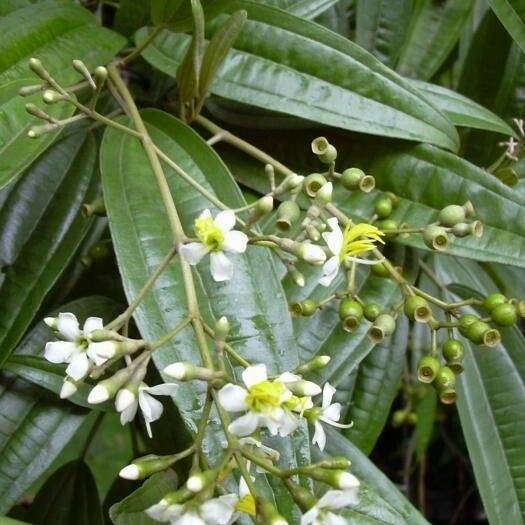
x: 300, y: 68
x: 425, y: 410
x: 56, y: 32
x: 381, y: 26
x: 131, y: 15
x: 162, y: 11
x: 69, y: 497
x: 307, y: 9
x: 491, y: 404
x: 17, y: 150
x: 462, y: 111
x: 141, y: 235
x: 512, y: 15
x: 370, y: 475
x: 39, y: 241
x: 130, y: 511
x: 378, y: 380
x: 435, y: 29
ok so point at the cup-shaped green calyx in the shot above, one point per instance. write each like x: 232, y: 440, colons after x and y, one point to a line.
x: 305, y: 308
x: 480, y: 332
x: 288, y: 214
x: 451, y: 215
x: 465, y: 321
x: 469, y: 209
x: 351, y: 178
x: 313, y: 183
x: 504, y: 314
x: 493, y: 300
x: 324, y: 150
x: 386, y: 225
x: 383, y: 207
x: 380, y: 270
x: 417, y: 309
x: 453, y: 352
x: 445, y: 383
x: 436, y: 237
x: 350, y: 313
x: 97, y: 207
x: 371, y: 311
x: 427, y: 369
x: 383, y: 326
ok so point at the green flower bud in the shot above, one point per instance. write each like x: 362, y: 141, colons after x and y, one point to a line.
x: 380, y: 270
x: 38, y: 69
x: 313, y: 183
x: 436, y: 237
x: 445, y: 379
x: 427, y: 369
x: 313, y: 233
x: 383, y: 207
x: 317, y: 363
x: 36, y: 132
x: 398, y: 418
x: 453, y: 352
x: 145, y: 466
x: 338, y: 479
x: 99, y: 251
x: 288, y: 214
x: 451, y: 215
x: 383, y: 326
x: 412, y: 418
x: 200, y: 480
x: 269, y: 513
x: 337, y: 463
x: 350, y: 313
x: 305, y: 308
x: 504, y: 314
x: 351, y: 178
x: 297, y: 276
x: 417, y: 309
x: 50, y: 96
x: 371, y: 311
x: 25, y: 91
x: 388, y: 224
x: 222, y: 328
x: 465, y: 321
x: 493, y: 300
x: 101, y: 73
x: 188, y: 371
x: 324, y: 150
x: 83, y: 70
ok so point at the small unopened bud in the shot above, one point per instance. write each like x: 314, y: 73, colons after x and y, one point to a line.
x: 130, y: 472
x: 436, y: 237
x: 297, y: 276
x: 222, y: 327
x: 125, y: 398
x: 350, y: 313
x: 38, y: 69
x: 310, y: 253
x: 380, y: 270
x: 51, y: 96
x: 31, y: 90
x: 324, y: 150
x: 83, y: 70
x: 451, y: 215
x: 288, y: 214
x: 383, y: 326
x: 427, y: 369
x: 313, y: 233
x: 493, y: 300
x: 317, y: 363
x: 97, y: 207
x: 371, y: 311
x: 383, y: 207
x: 324, y: 195
x: 99, y: 394
x: 417, y: 309
x: 200, y: 481
x: 101, y: 73
x: 269, y: 513
x: 339, y: 479
x: 69, y: 387
x: 36, y: 132
x: 187, y: 371
x: 337, y: 463
x: 263, y: 206
x: 147, y: 465
x: 51, y: 322
x: 313, y: 183
x: 304, y: 388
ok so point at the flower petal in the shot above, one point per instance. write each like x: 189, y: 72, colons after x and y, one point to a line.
x: 254, y: 375
x: 225, y: 220
x: 151, y: 407
x: 163, y: 389
x: 78, y: 367
x: 232, y: 398
x: 189, y: 518
x: 244, y: 425
x: 328, y: 394
x: 310, y: 517
x: 337, y: 499
x: 193, y: 252
x: 92, y: 323
x: 334, y: 519
x: 319, y: 438
x: 330, y: 269
x: 129, y: 413
x: 235, y: 241
x: 332, y: 412
x: 221, y: 267
x: 218, y: 511
x: 59, y: 351
x: 334, y: 239
x: 67, y: 325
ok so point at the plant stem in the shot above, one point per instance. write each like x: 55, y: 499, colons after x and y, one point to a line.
x: 139, y: 49
x: 171, y: 334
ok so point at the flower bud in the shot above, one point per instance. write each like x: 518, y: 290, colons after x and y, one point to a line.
x: 198, y: 482
x: 317, y: 363
x: 416, y: 309
x: 383, y: 326
x: 313, y: 233
x: 350, y: 313
x: 504, y: 314
x: 263, y: 206
x: 100, y: 75
x: 436, y: 237
x: 188, y: 371
x: 493, y: 300
x: 451, y: 215
x: 453, y: 352
x: 143, y: 467
x: 69, y: 388
x: 398, y: 418
x: 383, y: 207
x: 337, y: 463
x: 310, y: 253
x: 371, y: 311
x: 324, y: 150
x: 38, y: 69
x: 297, y: 276
x: 25, y: 91
x: 427, y: 369
x: 35, y: 132
x: 97, y: 208
x: 288, y: 214
x: 464, y: 322
x: 313, y: 183
x: 51, y: 322
x: 385, y: 226
x: 50, y: 96
x: 83, y: 70
x: 351, y: 178
x: 269, y: 513
x: 304, y: 388
x: 338, y: 479
x: 35, y: 111
x: 222, y: 327
x: 324, y: 195
x: 290, y: 183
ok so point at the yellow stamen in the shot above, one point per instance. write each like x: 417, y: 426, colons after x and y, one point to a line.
x: 359, y: 239
x: 265, y: 396
x: 246, y: 504
x: 209, y: 233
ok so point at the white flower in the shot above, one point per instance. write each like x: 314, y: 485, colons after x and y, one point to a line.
x: 320, y: 513
x: 216, y: 236
x: 344, y: 246
x: 127, y: 403
x: 328, y: 413
x: 216, y: 511
x: 265, y: 403
x: 77, y: 349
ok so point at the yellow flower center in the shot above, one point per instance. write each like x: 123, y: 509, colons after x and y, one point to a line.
x: 265, y: 395
x: 209, y: 233
x: 359, y: 239
x: 246, y: 504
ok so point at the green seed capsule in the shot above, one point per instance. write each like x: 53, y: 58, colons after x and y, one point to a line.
x: 493, y: 300
x: 371, y: 311
x: 367, y: 184
x: 491, y: 338
x: 427, y: 369
x: 476, y: 331
x: 324, y: 150
x: 453, y: 350
x: 436, y: 237
x: 313, y: 183
x: 448, y: 396
x: 451, y: 215
x: 504, y: 314
x: 350, y: 313
x: 383, y: 207
x: 383, y: 326
x: 465, y: 321
x: 416, y: 309
x: 288, y: 214
x: 380, y: 270
x: 398, y: 418
x: 445, y: 379
x: 351, y: 178
x: 99, y: 252
x: 308, y: 307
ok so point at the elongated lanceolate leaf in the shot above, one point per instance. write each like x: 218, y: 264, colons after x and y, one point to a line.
x: 300, y: 68
x: 512, y: 15
x: 141, y: 237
